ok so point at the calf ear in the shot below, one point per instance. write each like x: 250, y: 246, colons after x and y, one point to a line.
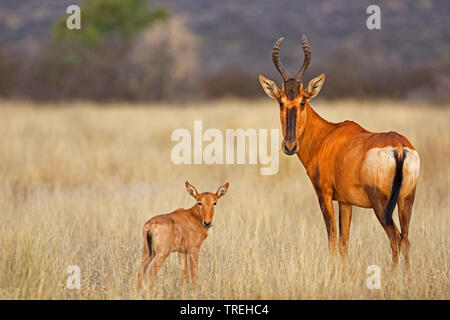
x: 222, y: 190
x: 269, y: 87
x: 191, y: 190
x: 314, y: 86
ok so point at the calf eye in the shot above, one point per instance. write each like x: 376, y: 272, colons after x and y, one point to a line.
x: 215, y: 203
x: 302, y: 103
x: 199, y: 203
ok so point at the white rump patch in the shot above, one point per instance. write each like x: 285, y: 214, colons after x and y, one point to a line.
x: 378, y: 168
x: 379, y: 165
x: 411, y: 167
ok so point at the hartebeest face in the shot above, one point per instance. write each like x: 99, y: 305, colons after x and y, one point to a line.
x: 292, y: 98
x: 206, y: 201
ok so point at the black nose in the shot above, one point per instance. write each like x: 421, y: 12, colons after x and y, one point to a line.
x: 206, y: 224
x: 291, y: 151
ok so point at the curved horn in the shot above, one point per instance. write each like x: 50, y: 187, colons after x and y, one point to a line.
x: 307, y: 52
x: 276, y: 61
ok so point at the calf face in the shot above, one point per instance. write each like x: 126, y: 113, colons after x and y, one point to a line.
x: 206, y: 201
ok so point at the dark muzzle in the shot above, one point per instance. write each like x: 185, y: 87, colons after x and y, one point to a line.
x: 206, y: 224
x: 290, y: 148
x: 290, y: 141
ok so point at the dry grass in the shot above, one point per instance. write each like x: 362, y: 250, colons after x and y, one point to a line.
x: 77, y: 184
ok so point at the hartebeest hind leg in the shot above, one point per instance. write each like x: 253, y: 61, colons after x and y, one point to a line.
x: 404, y: 213
x: 345, y: 218
x: 379, y: 202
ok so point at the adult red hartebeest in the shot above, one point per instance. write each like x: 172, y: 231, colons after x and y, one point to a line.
x: 346, y: 162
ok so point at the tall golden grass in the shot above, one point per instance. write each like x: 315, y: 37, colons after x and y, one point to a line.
x: 78, y: 182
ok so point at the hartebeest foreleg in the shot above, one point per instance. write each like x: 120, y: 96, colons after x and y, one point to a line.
x: 404, y: 213
x: 326, y: 205
x: 345, y: 218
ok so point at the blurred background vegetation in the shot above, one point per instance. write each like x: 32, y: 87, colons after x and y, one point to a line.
x: 177, y: 50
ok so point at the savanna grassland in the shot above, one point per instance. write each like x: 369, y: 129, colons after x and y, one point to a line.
x: 78, y: 182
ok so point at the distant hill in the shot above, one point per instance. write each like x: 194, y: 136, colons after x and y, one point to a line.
x: 239, y: 34
x: 25, y: 25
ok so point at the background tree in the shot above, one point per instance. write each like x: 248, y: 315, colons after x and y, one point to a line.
x: 88, y: 63
x: 102, y: 19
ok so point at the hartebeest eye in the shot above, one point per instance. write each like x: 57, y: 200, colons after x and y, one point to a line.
x: 199, y: 203
x: 281, y: 105
x: 302, y: 103
x: 215, y: 203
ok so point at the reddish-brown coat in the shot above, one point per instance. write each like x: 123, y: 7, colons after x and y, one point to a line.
x: 349, y: 164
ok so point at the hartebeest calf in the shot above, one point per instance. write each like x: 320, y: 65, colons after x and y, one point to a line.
x: 346, y: 162
x: 183, y: 231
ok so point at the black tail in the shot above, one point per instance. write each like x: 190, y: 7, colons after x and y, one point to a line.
x: 396, y: 185
x: 149, y: 243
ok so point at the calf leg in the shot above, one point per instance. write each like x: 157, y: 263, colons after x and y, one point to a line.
x: 153, y: 269
x: 193, y: 264
x: 145, y: 261
x: 147, y: 256
x: 182, y: 257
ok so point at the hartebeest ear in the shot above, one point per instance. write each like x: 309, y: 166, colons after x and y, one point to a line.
x: 191, y: 190
x: 269, y: 87
x: 314, y: 87
x: 222, y: 190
